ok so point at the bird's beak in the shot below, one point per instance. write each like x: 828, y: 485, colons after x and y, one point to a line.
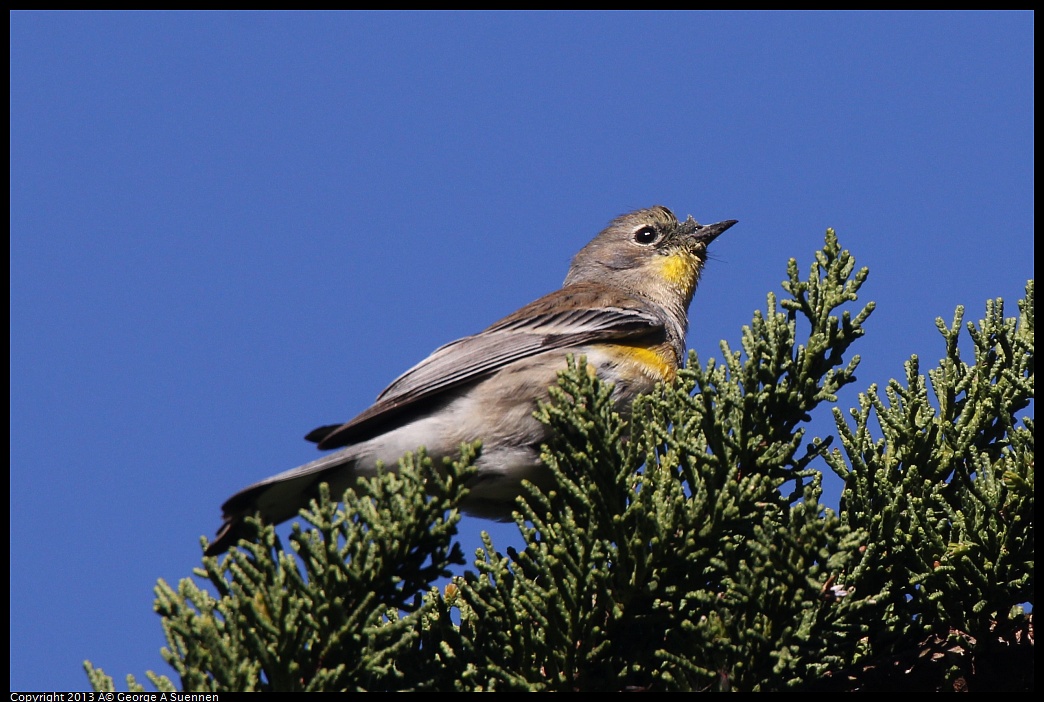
x: 706, y: 233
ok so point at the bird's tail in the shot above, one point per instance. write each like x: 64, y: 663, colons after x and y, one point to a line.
x: 282, y: 496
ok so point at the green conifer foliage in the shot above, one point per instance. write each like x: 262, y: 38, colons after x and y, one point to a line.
x: 683, y: 547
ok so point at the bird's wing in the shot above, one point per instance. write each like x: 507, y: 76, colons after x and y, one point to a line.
x: 544, y: 325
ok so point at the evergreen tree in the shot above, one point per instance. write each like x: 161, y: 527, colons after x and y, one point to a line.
x: 684, y: 547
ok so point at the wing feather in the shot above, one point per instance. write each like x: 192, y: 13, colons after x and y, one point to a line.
x: 581, y: 317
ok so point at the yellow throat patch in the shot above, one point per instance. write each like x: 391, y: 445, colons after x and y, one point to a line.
x: 678, y: 270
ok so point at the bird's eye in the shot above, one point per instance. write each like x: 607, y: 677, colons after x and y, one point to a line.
x: 646, y: 236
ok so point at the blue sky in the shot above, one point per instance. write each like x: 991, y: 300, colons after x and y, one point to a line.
x: 227, y: 229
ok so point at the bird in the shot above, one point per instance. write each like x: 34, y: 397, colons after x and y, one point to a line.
x: 623, y: 307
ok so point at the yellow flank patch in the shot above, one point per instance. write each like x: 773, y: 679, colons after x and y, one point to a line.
x: 656, y: 362
x: 679, y: 270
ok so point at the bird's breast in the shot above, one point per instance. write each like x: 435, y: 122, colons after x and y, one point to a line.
x: 635, y: 363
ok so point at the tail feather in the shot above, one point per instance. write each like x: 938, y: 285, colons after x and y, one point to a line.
x: 282, y: 496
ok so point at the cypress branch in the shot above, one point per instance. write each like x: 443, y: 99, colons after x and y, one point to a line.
x: 683, y: 547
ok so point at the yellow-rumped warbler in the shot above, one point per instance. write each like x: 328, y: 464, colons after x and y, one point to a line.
x: 624, y: 306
